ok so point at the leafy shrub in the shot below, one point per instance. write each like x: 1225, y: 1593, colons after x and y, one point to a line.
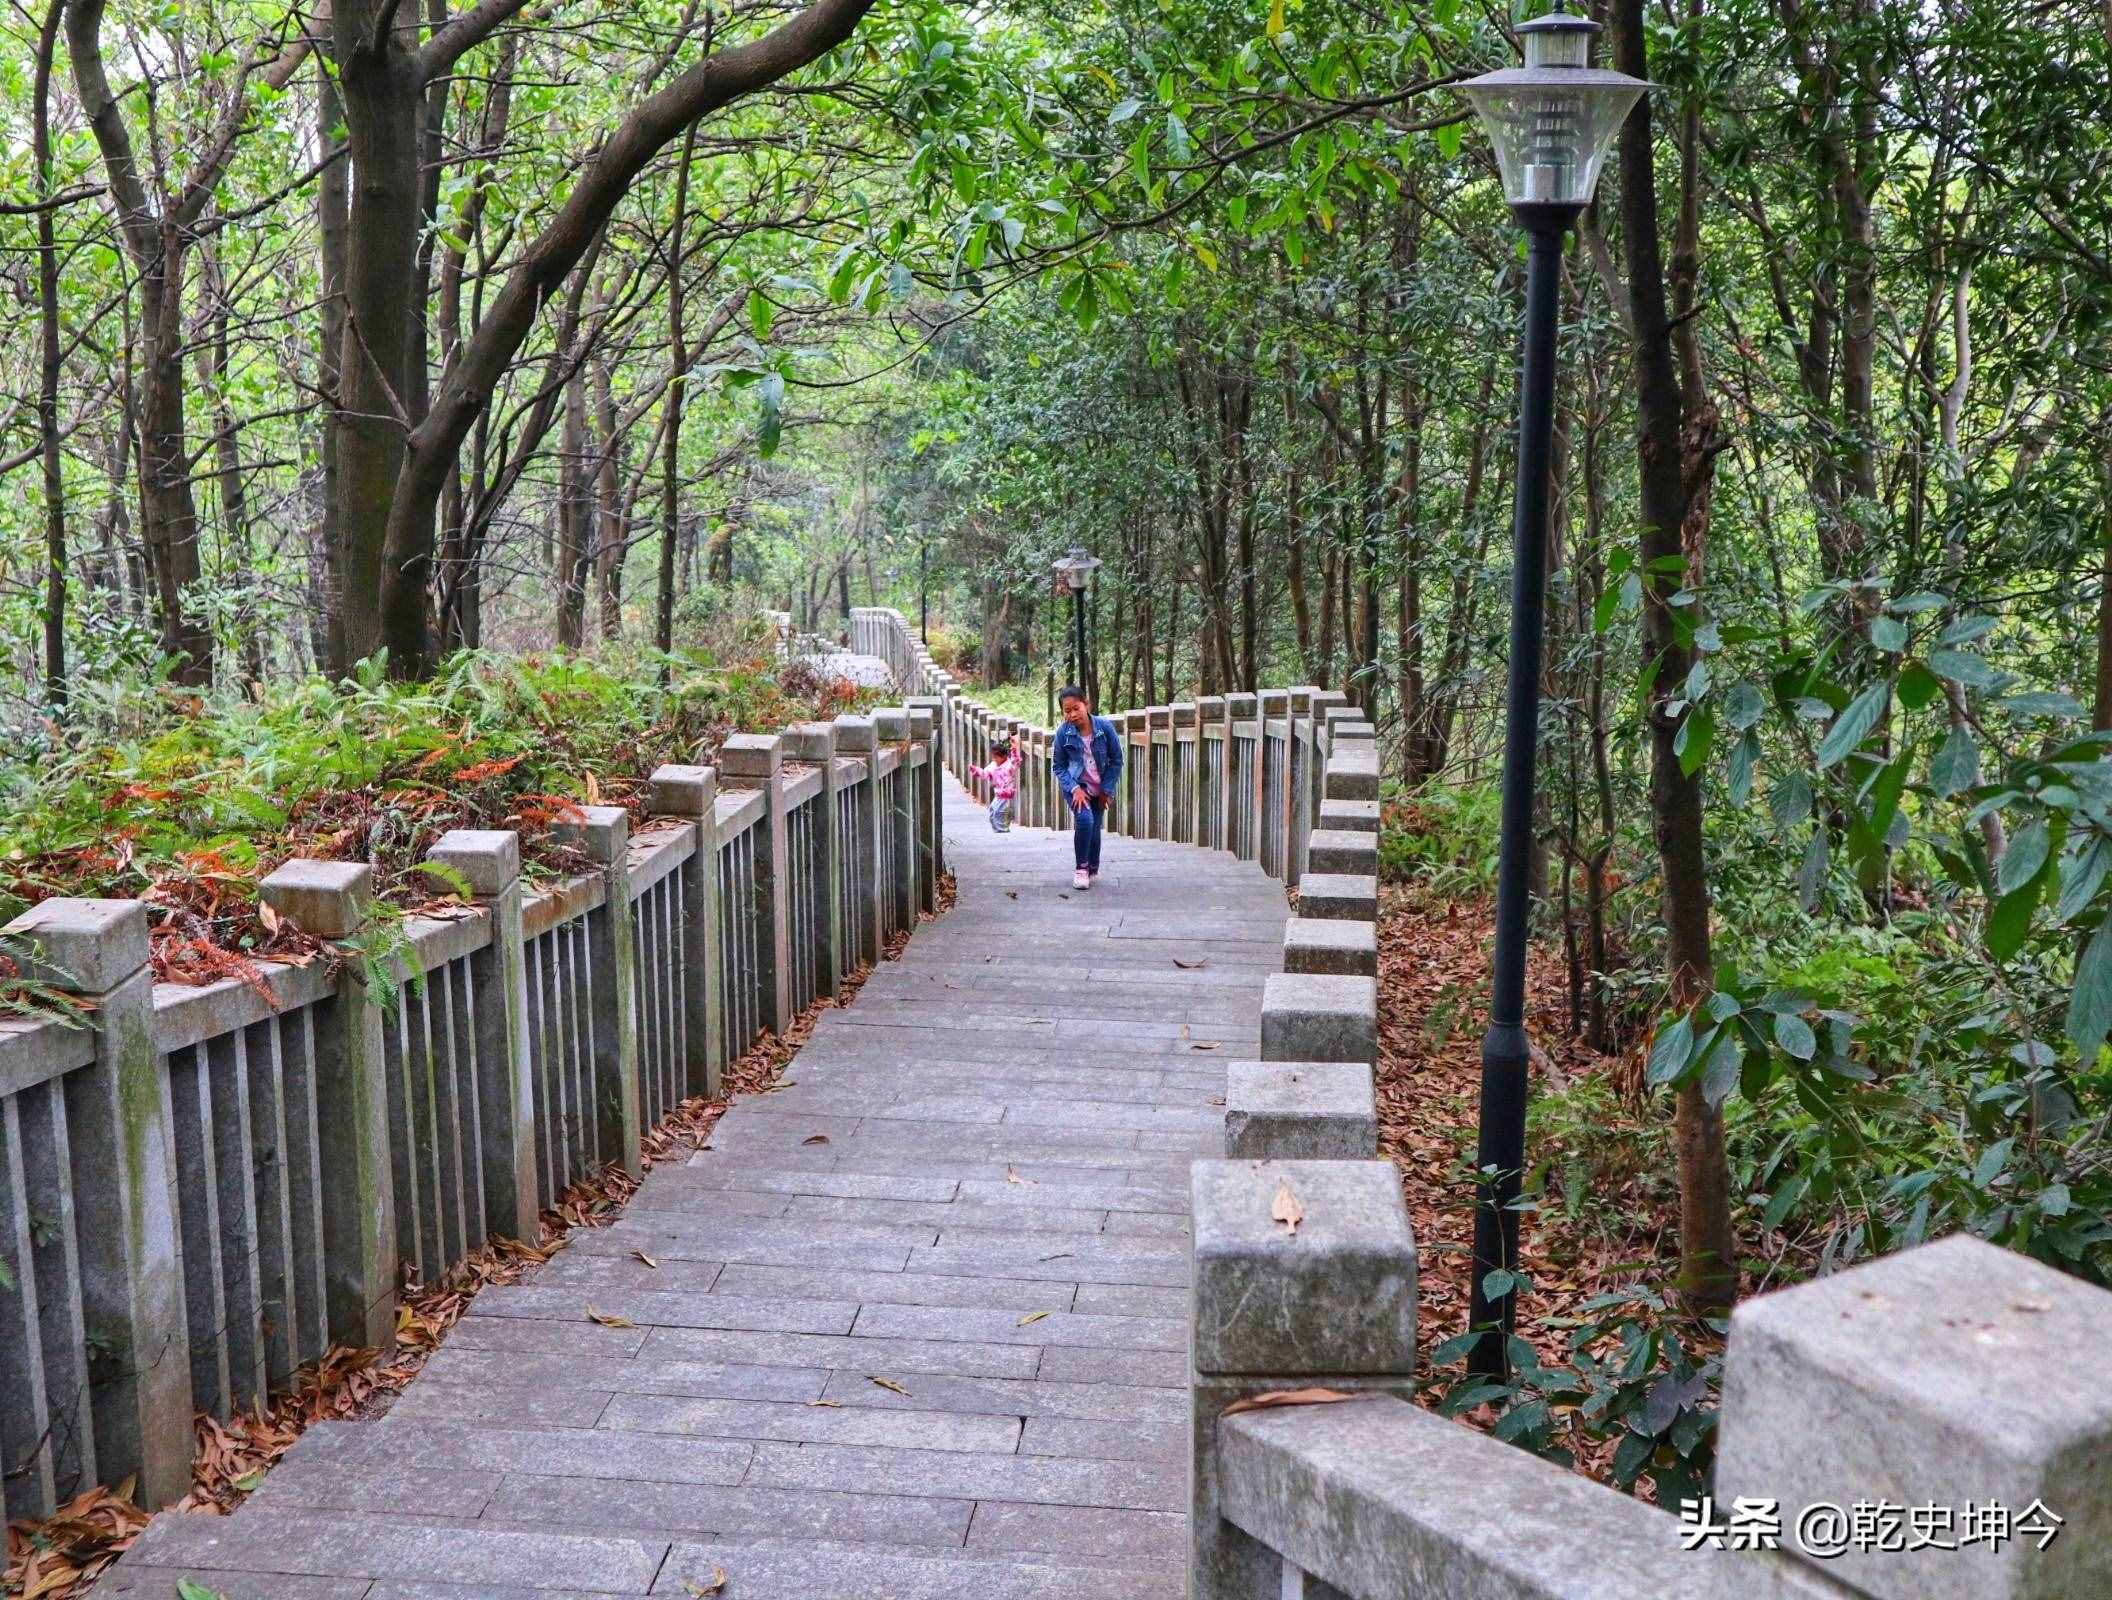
x: 1443, y: 836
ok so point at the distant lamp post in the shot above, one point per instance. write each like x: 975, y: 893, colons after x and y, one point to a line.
x: 1552, y: 122
x: 1073, y: 572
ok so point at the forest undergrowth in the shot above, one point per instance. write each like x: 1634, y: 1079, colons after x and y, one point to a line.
x: 188, y: 802
x: 1919, y: 1118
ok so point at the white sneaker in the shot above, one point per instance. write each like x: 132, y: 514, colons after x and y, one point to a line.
x: 1081, y: 879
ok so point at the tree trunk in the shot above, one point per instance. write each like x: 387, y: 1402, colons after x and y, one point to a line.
x: 671, y: 431
x: 715, y: 81
x: 156, y: 235
x: 331, y: 200
x: 385, y: 121
x: 609, y: 532
x: 50, y: 360
x: 1708, y: 1263
x: 236, y: 553
x: 575, y: 515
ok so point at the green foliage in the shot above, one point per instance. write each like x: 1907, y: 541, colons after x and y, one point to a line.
x: 190, y: 804
x: 1629, y: 1380
x: 1444, y: 836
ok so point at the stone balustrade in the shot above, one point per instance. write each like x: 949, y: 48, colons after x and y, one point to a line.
x: 202, y: 1188
x: 1956, y: 1376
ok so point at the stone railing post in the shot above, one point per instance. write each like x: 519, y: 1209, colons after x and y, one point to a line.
x: 1319, y: 1017
x: 1301, y: 1111
x: 815, y: 742
x: 1037, y: 786
x: 1210, y: 831
x: 1242, y: 790
x: 1158, y: 745
x: 931, y: 830
x: 1330, y: 1305
x: 1959, y: 1376
x: 1181, y: 721
x: 489, y: 864
x: 891, y: 727
x: 124, y: 1194
x: 329, y: 899
x: 757, y: 761
x: 1273, y: 801
x: 1331, y: 945
x: 691, y: 793
x: 1353, y: 852
x: 604, y: 833
x: 1304, y: 782
x: 1324, y: 703
x: 1135, y: 730
x: 855, y: 739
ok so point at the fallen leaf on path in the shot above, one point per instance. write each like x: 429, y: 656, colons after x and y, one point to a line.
x: 1292, y: 1397
x: 815, y: 1138
x: 1013, y: 1177
x: 1286, y: 1208
x: 645, y: 1260
x: 833, y: 1405
x: 889, y: 1385
x: 1061, y: 1255
x: 1032, y: 1316
x: 1206, y: 1044
x: 1190, y: 966
x: 700, y: 1590
x: 609, y: 1319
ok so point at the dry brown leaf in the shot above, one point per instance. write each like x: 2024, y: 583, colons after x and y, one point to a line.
x: 701, y: 1590
x: 1206, y: 1044
x: 1032, y: 1316
x: 833, y: 1405
x: 1013, y: 1177
x: 1286, y: 1208
x: 1189, y: 966
x: 645, y: 1260
x: 889, y: 1385
x: 1292, y: 1397
x: 609, y: 1319
x: 815, y: 1138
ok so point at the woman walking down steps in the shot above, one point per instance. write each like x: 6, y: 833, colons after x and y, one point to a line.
x: 1087, y: 759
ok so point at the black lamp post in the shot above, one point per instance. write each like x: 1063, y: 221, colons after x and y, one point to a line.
x: 1073, y: 571
x: 1552, y: 122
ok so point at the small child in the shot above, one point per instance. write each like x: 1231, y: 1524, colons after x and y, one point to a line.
x: 1003, y: 773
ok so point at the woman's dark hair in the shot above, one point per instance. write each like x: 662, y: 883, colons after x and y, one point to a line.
x: 1071, y: 691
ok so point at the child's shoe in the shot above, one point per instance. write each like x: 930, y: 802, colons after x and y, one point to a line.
x: 1081, y: 879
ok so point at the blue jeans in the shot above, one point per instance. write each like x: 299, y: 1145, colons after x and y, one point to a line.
x: 1001, y: 814
x: 1086, y: 828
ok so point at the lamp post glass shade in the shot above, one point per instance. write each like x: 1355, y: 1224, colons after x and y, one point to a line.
x: 1074, y: 569
x: 1553, y: 120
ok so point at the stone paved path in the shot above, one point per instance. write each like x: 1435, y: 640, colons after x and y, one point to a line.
x: 917, y: 1329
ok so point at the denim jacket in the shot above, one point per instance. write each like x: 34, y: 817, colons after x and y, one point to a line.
x: 1067, y: 757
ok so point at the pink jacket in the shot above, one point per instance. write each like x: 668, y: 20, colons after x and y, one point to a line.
x: 1003, y: 776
